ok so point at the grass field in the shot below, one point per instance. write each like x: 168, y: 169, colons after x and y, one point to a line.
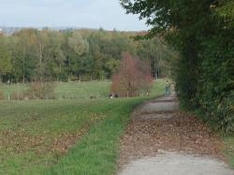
x: 74, y: 90
x: 70, y: 136
x: 68, y: 90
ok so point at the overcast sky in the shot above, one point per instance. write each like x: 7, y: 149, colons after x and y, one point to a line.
x: 107, y: 14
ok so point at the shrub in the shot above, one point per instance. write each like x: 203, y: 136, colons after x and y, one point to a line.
x: 216, y: 83
x: 41, y: 90
x: 1, y: 95
x: 15, y: 95
x: 132, y: 77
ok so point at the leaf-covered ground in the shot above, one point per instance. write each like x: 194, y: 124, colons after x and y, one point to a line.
x: 150, y: 132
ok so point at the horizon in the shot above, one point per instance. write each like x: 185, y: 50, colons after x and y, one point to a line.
x: 108, y: 15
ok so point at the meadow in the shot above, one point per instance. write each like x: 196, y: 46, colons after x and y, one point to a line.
x: 71, y: 134
x: 64, y: 90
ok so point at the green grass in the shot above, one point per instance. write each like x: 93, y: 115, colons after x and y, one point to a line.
x: 97, y: 151
x: 229, y: 149
x: 84, y: 90
x: 68, y: 90
x: 31, y: 131
x: 12, y: 88
x: 76, y: 90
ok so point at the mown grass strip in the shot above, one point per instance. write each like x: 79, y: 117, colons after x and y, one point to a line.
x: 97, y: 151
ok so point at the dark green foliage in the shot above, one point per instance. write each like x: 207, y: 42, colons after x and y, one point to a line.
x: 216, y: 84
x: 202, y: 31
x: 5, y: 59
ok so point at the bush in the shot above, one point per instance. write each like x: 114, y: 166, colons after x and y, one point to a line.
x: 15, y: 95
x: 41, y: 90
x: 132, y: 77
x: 1, y: 95
x: 216, y: 85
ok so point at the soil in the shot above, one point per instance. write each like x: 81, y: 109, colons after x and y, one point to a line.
x: 160, y: 139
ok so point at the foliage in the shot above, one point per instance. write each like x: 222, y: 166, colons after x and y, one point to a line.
x: 216, y: 85
x: 201, y: 31
x: 5, y: 60
x: 45, y: 55
x: 158, y: 54
x: 132, y: 77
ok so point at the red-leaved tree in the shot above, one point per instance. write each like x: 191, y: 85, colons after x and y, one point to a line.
x: 132, y: 78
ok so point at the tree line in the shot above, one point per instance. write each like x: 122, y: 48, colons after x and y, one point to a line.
x: 202, y: 31
x: 46, y: 55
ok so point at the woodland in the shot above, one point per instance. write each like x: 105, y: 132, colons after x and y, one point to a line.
x: 44, y: 55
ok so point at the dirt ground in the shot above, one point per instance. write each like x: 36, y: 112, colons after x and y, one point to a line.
x: 162, y: 140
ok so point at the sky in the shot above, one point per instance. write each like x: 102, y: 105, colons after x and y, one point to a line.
x: 106, y: 14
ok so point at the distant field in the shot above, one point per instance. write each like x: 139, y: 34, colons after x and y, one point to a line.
x: 68, y: 90
x: 83, y: 90
x: 76, y: 135
x: 74, y: 90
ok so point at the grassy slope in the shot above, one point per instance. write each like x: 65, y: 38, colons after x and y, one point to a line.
x: 29, y: 129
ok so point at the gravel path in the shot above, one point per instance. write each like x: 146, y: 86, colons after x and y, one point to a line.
x: 160, y: 140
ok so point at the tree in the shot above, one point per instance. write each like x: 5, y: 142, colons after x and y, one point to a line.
x: 22, y: 45
x: 132, y: 77
x: 201, y: 31
x: 56, y: 41
x: 5, y: 60
x: 78, y: 47
x: 158, y: 54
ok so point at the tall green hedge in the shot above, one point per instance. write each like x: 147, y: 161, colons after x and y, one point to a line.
x: 216, y: 83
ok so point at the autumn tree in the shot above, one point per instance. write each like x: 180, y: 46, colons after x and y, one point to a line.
x: 132, y: 77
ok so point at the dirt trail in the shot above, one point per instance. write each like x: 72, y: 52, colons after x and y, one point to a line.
x: 162, y: 140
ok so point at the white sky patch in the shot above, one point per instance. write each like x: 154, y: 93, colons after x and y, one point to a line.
x: 107, y: 14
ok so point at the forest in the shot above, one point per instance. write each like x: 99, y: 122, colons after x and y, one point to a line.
x: 45, y: 55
